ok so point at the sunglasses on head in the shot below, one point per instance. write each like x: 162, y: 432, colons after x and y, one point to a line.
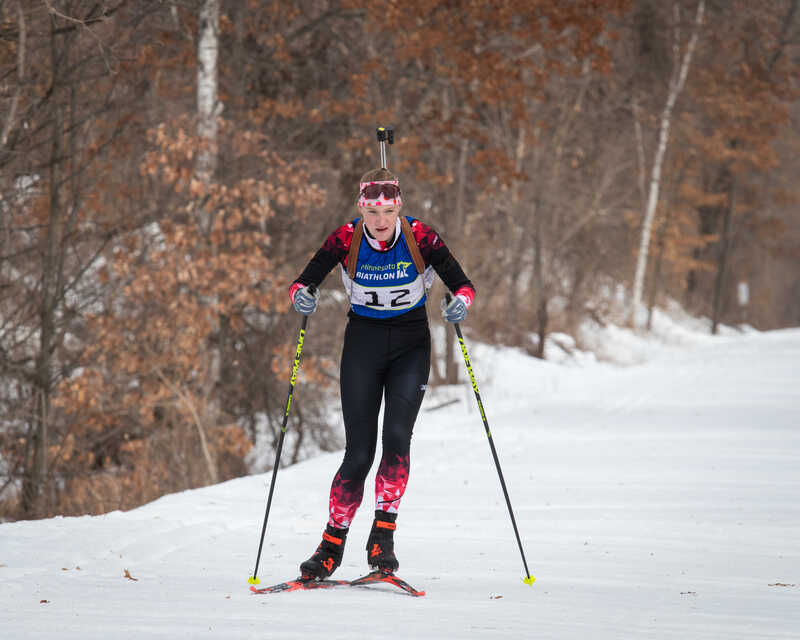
x: 374, y: 191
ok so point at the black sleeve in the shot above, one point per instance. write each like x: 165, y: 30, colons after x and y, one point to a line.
x: 451, y: 273
x: 318, y: 268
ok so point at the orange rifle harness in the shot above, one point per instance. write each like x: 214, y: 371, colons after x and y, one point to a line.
x: 408, y: 234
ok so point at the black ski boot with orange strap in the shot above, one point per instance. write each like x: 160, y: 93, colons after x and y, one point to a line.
x: 328, y: 555
x: 380, y: 544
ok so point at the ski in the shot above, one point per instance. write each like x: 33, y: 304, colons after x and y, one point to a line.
x: 375, y: 577
x: 298, y: 584
x: 386, y: 577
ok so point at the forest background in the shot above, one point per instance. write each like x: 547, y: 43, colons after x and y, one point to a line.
x: 167, y: 167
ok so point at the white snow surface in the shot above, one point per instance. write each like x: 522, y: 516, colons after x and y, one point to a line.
x: 658, y: 500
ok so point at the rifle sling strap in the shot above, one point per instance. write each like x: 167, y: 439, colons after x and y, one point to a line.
x: 408, y: 234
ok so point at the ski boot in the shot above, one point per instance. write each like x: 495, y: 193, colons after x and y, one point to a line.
x: 380, y: 544
x: 327, y: 557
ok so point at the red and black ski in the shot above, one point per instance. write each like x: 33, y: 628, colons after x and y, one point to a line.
x: 387, y: 577
x: 295, y: 585
x: 376, y: 577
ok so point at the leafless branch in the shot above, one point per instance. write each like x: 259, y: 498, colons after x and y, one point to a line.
x: 84, y: 24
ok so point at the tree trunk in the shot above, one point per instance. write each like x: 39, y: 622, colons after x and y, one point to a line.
x: 660, y: 242
x: 722, y: 261
x: 513, y: 300
x: 656, y: 283
x: 573, y: 310
x: 36, y: 467
x: 538, y: 281
x: 451, y: 367
x: 12, y: 111
x: 208, y: 107
x: 640, y: 155
x: 675, y: 87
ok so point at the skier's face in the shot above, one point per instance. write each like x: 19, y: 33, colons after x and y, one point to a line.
x: 381, y: 221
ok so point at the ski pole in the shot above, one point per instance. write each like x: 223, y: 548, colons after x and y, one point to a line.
x: 254, y: 578
x: 529, y: 579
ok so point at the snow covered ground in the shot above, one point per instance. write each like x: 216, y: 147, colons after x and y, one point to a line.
x: 659, y: 500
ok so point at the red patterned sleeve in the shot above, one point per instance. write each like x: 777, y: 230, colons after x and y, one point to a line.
x: 427, y: 239
x: 338, y: 243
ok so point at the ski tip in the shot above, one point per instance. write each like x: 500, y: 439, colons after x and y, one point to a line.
x: 529, y: 580
x: 253, y: 580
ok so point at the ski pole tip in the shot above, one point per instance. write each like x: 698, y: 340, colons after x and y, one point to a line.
x: 529, y: 580
x: 253, y: 580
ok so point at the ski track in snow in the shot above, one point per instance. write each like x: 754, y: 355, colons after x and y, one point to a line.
x: 654, y: 501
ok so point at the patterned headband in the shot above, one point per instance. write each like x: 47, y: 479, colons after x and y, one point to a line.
x: 380, y: 193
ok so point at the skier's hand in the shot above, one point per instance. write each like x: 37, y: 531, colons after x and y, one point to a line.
x: 305, y: 299
x: 454, y: 309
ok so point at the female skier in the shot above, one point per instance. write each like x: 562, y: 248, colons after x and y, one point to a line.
x: 387, y: 265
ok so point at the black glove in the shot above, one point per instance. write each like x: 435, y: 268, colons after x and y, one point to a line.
x: 454, y: 309
x: 305, y: 300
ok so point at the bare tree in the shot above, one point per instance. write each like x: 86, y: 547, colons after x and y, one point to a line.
x: 680, y: 69
x: 57, y: 146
